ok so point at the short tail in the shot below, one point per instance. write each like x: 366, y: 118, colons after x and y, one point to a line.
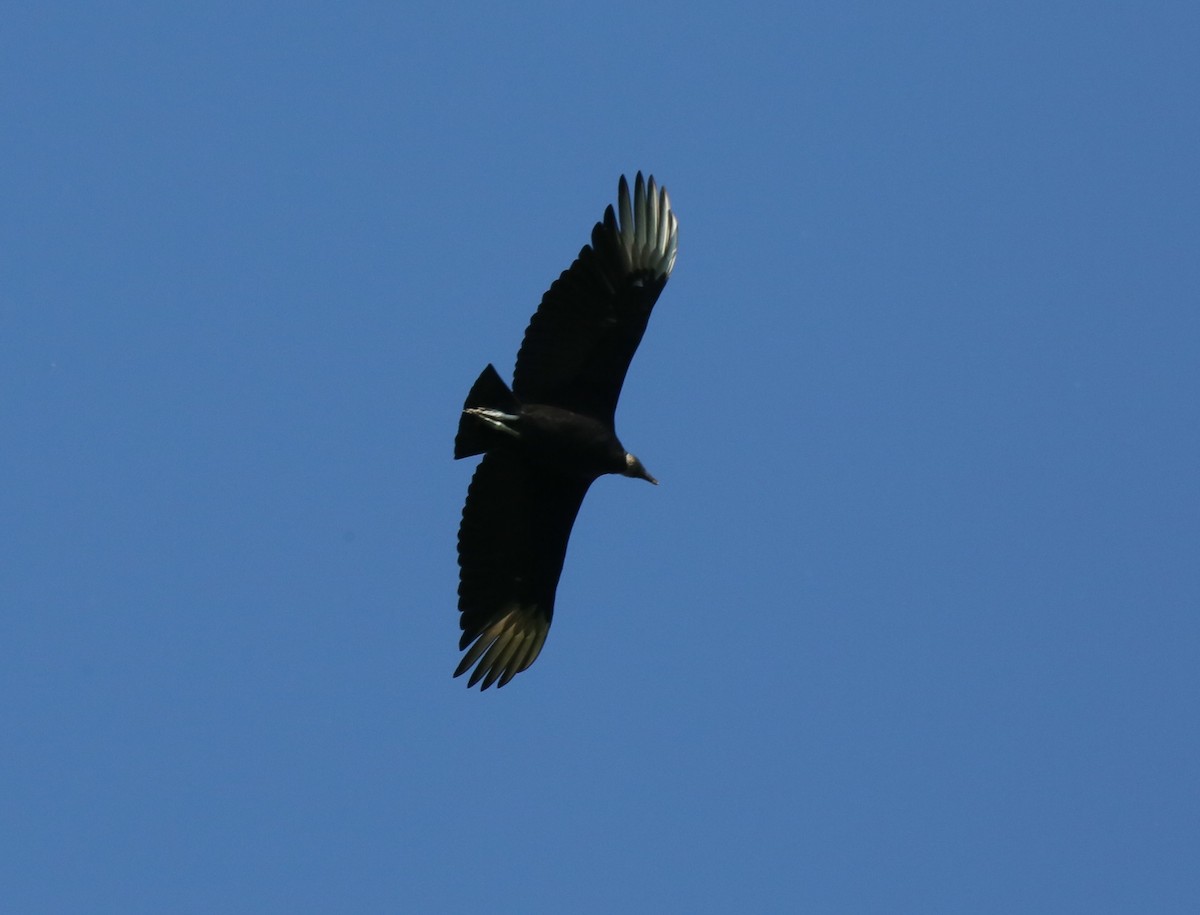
x: 490, y: 391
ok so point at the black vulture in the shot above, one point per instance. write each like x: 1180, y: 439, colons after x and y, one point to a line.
x: 544, y: 441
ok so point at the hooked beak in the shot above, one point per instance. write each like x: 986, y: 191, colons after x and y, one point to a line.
x: 634, y: 468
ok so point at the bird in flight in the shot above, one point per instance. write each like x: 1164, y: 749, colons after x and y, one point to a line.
x: 548, y: 437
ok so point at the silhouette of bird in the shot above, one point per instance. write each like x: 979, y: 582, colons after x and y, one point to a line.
x: 545, y: 440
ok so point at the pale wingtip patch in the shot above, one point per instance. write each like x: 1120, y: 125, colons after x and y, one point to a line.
x: 647, y: 229
x: 504, y: 648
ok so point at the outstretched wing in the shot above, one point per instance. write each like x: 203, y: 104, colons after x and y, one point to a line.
x: 581, y: 339
x: 511, y: 543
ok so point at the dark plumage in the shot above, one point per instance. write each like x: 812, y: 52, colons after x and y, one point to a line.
x: 547, y: 439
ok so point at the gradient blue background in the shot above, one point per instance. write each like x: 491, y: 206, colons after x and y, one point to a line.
x: 912, y: 623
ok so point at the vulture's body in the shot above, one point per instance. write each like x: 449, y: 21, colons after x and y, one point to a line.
x: 545, y: 440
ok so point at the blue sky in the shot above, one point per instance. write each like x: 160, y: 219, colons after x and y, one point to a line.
x: 911, y: 624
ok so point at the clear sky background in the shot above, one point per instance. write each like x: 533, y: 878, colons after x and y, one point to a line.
x: 912, y: 623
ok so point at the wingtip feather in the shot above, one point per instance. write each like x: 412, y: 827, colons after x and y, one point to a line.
x: 646, y: 230
x: 504, y: 647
